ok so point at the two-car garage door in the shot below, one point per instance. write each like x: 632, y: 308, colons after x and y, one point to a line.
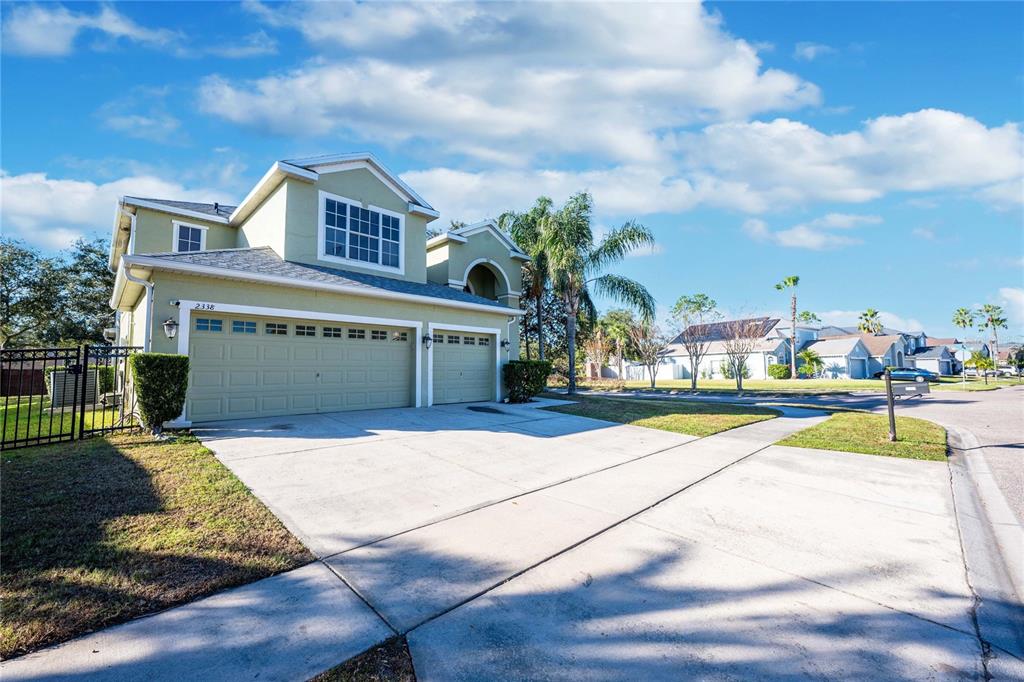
x: 254, y: 367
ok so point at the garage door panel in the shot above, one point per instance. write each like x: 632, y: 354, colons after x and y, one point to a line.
x: 464, y: 367
x: 235, y: 374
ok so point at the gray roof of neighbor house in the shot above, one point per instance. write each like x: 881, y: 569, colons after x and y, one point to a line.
x: 217, y: 210
x: 829, y: 331
x: 828, y: 348
x: 930, y: 352
x: 264, y: 261
x: 720, y: 331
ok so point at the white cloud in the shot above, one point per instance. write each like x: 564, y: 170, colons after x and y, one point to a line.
x: 652, y: 250
x: 810, y: 51
x: 158, y: 126
x: 850, y: 318
x: 1012, y: 299
x: 51, y: 213
x: 923, y: 233
x: 818, y: 234
x: 50, y: 30
x: 255, y: 44
x: 504, y: 83
x: 1005, y: 196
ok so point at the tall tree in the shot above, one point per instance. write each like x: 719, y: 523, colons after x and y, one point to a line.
x: 964, y: 318
x: 649, y: 343
x: 575, y: 263
x: 527, y: 231
x: 869, y: 322
x: 980, y: 363
x: 88, y: 284
x: 617, y: 324
x: 991, y: 317
x: 791, y: 282
x: 32, y: 293
x: 693, y: 314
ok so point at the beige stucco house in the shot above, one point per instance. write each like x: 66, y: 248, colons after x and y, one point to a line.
x: 318, y: 293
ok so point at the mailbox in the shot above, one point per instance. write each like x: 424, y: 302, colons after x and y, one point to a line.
x: 911, y: 389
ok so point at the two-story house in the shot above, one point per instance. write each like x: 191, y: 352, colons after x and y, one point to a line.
x: 319, y: 292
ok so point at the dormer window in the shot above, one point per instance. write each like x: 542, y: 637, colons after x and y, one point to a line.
x: 368, y: 237
x: 188, y: 237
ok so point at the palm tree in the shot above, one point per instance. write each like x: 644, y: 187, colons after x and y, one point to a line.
x: 807, y: 317
x: 526, y: 230
x: 869, y: 322
x: 790, y: 283
x: 964, y: 318
x: 811, y: 361
x: 617, y: 324
x: 992, y: 318
x: 575, y: 262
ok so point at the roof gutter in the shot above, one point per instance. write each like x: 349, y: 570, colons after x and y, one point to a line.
x: 227, y: 273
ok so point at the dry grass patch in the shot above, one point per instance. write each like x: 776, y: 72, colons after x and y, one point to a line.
x: 387, y: 662
x: 100, y: 531
x: 869, y: 434
x: 691, y: 418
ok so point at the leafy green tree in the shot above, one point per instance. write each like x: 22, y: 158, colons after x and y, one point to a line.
x: 617, y: 324
x: 575, y: 264
x: 527, y: 231
x: 991, y: 317
x: 869, y: 322
x: 88, y: 284
x: 32, y: 293
x: 692, y: 315
x: 791, y: 283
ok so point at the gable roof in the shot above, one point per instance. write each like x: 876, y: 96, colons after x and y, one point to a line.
x: 262, y: 264
x: 720, y: 331
x: 767, y: 345
x: 931, y: 352
x: 829, y: 331
x: 460, y: 234
x: 191, y: 209
x: 834, y: 347
x: 877, y: 344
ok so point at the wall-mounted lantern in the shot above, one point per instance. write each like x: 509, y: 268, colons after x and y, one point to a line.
x: 170, y: 328
x: 428, y: 340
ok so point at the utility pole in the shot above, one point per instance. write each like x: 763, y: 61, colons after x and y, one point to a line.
x: 892, y: 406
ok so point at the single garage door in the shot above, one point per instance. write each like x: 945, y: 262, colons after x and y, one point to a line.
x: 463, y: 367
x: 254, y: 367
x: 858, y: 368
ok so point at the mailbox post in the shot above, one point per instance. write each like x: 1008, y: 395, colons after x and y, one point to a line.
x: 890, y: 400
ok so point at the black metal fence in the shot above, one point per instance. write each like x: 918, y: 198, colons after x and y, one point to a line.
x: 50, y: 395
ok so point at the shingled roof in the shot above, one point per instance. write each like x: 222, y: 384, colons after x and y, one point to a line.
x: 264, y: 261
x: 216, y: 210
x: 720, y: 331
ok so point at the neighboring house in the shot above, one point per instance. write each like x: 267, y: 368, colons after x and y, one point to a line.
x: 769, y: 349
x: 842, y: 358
x: 935, y: 358
x: 884, y: 350
x: 318, y: 293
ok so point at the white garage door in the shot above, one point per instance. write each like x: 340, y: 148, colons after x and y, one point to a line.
x: 254, y: 367
x: 464, y: 367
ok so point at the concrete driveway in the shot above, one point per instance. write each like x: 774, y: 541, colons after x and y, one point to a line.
x: 515, y: 543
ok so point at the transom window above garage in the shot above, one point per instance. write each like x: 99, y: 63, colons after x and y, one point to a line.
x: 400, y: 336
x: 469, y: 340
x: 357, y: 333
x: 205, y: 324
x: 369, y: 237
x: 484, y: 341
x: 378, y: 335
x: 453, y: 338
x: 438, y: 338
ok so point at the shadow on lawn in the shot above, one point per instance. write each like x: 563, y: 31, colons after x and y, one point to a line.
x: 76, y: 522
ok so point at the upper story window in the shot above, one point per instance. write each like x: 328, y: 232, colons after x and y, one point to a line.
x: 188, y: 237
x: 369, y: 237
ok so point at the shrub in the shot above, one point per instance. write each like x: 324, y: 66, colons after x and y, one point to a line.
x: 161, y: 380
x: 779, y: 371
x: 525, y: 378
x: 726, y: 369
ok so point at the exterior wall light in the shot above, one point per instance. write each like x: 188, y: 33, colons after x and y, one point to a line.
x: 428, y: 340
x: 505, y: 343
x: 170, y: 328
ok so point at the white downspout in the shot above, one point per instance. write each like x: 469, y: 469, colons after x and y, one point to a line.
x: 147, y: 331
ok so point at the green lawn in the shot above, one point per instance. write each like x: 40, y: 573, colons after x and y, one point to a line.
x: 99, y: 531
x: 794, y: 386
x: 869, y: 434
x: 691, y: 418
x: 31, y: 417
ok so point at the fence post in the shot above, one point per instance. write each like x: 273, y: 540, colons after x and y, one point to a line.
x: 84, y: 393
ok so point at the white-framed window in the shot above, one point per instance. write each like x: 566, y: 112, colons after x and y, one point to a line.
x: 204, y: 324
x: 332, y: 332
x: 369, y: 237
x: 400, y: 336
x: 438, y: 338
x: 188, y: 237
x: 275, y: 329
x: 357, y: 334
x: 305, y: 330
x: 378, y: 335
x: 484, y: 341
x: 243, y: 327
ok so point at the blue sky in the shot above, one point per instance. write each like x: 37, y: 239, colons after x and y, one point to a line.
x: 873, y: 149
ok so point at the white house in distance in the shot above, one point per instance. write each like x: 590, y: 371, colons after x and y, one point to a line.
x: 770, y: 348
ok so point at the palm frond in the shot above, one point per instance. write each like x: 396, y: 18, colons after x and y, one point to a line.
x: 618, y: 243
x: 628, y: 291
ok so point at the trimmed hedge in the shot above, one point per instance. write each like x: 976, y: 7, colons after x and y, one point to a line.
x: 525, y: 379
x: 779, y: 371
x: 161, y: 380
